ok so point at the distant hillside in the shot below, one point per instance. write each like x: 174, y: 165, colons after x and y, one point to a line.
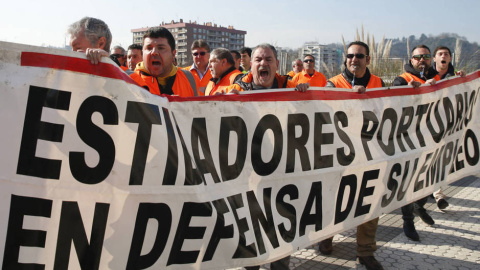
x: 469, y: 53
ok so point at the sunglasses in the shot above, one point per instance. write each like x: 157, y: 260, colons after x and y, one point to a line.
x: 117, y: 55
x: 308, y: 61
x: 358, y: 55
x: 420, y: 56
x: 199, y: 53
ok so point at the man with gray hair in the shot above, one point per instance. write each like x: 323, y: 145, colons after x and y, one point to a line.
x: 91, y: 36
x: 223, y: 70
x: 263, y: 73
x: 297, y: 67
x: 118, y: 52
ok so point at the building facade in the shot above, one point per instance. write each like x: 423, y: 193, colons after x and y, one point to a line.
x: 185, y: 33
x: 331, y: 57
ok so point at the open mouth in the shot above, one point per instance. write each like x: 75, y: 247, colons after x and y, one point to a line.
x: 156, y: 63
x: 264, y: 73
x: 443, y: 62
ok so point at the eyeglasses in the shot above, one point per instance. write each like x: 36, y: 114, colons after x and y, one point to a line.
x: 357, y: 55
x: 199, y: 53
x: 308, y: 61
x: 420, y: 56
x: 117, y: 55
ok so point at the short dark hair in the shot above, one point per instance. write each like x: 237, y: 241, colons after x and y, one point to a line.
x: 441, y: 48
x: 236, y: 53
x: 246, y: 50
x: 200, y: 43
x: 160, y: 32
x: 421, y: 46
x: 308, y: 55
x: 363, y: 44
x: 222, y: 53
x: 135, y: 47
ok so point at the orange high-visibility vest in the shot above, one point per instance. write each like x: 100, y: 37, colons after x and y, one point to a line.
x: 182, y: 86
x: 340, y: 82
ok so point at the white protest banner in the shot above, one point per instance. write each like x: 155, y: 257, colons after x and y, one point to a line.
x: 97, y: 173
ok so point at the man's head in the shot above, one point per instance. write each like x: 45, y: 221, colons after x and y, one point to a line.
x: 358, y: 58
x: 246, y: 57
x: 309, y: 63
x: 236, y: 57
x: 134, y: 55
x: 220, y: 61
x: 421, y: 58
x: 119, y: 53
x: 442, y: 56
x: 200, y: 53
x: 297, y: 65
x: 89, y: 33
x: 158, y: 51
x: 264, y: 65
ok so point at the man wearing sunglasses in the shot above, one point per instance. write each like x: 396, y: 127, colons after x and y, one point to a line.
x: 309, y: 74
x: 199, y: 68
x: 118, y: 52
x: 157, y: 73
x: 419, y: 70
x: 357, y: 77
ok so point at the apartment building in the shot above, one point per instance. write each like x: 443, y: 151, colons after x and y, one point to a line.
x: 322, y: 53
x: 186, y: 32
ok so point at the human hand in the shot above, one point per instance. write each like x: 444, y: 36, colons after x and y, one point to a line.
x: 359, y: 88
x: 95, y: 55
x: 460, y: 73
x: 431, y: 82
x: 302, y: 87
x: 414, y: 84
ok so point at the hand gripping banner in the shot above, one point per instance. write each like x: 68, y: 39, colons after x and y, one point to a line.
x: 97, y: 173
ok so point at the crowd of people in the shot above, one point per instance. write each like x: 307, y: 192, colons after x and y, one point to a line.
x: 153, y: 66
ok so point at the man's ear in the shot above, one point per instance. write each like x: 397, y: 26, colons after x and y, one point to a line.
x: 102, y: 41
x: 368, y: 59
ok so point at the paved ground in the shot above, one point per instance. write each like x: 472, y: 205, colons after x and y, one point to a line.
x: 452, y: 243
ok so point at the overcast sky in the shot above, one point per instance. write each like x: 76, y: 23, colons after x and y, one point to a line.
x: 282, y: 23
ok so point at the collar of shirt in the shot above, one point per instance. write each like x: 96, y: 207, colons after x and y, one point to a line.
x: 200, y: 74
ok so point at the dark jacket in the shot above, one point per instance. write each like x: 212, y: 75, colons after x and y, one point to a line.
x: 450, y: 71
x: 358, y: 81
x: 429, y: 74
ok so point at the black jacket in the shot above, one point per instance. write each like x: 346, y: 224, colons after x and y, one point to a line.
x: 429, y: 74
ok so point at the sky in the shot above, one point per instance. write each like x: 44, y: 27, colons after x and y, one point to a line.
x: 279, y: 22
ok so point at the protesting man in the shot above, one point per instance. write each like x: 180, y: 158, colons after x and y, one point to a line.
x: 222, y: 68
x: 91, y: 36
x: 157, y: 73
x: 246, y: 59
x: 237, y: 58
x: 118, y: 52
x: 358, y: 78
x: 199, y: 68
x: 263, y: 76
x: 263, y: 73
x: 297, y: 67
x: 417, y: 72
x: 309, y: 74
x: 442, y: 63
x: 134, y: 56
